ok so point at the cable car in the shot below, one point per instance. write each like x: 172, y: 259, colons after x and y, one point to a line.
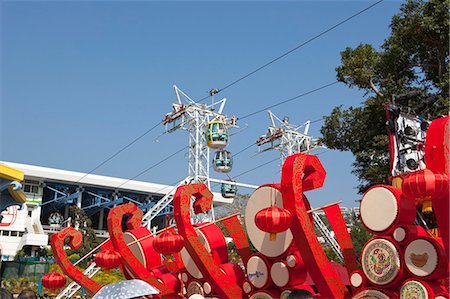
x: 228, y: 190
x: 216, y: 134
x: 222, y: 161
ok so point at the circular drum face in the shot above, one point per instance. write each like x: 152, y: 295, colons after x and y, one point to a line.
x: 258, y: 271
x: 379, y: 209
x: 263, y: 198
x: 380, y: 261
x: 413, y: 289
x: 194, y: 288
x: 285, y: 294
x: 421, y: 257
x: 280, y: 274
x: 264, y: 295
x: 356, y: 279
x: 371, y: 294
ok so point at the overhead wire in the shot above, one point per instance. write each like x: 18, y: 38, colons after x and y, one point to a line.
x: 295, y: 48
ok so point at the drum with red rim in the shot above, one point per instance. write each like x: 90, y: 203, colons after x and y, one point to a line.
x: 171, y: 281
x: 358, y: 279
x: 375, y: 293
x: 383, y: 208
x: 381, y: 261
x: 266, y: 294
x: 425, y: 258
x: 212, y: 237
x: 258, y: 271
x: 420, y: 289
x: 406, y: 233
x: 142, y: 250
x: 282, y: 275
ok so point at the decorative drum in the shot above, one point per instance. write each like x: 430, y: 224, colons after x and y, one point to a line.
x: 171, y: 281
x: 266, y: 294
x: 282, y: 275
x: 419, y: 289
x: 373, y: 293
x: 381, y: 262
x: 305, y: 287
x: 383, y: 209
x: 295, y: 261
x: 357, y: 279
x: 247, y: 287
x: 142, y: 250
x: 194, y: 287
x: 214, y: 241
x: 264, y: 197
x: 258, y: 271
x: 207, y: 288
x: 425, y: 258
x: 212, y: 238
x: 406, y: 233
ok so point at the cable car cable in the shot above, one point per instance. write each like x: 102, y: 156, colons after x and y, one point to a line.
x: 154, y: 165
x: 288, y: 100
x: 295, y: 48
x: 119, y: 151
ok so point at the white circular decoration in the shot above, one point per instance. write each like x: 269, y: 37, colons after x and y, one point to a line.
x: 262, y: 295
x: 262, y: 198
x: 421, y: 257
x: 356, y: 279
x: 371, y: 294
x: 258, y: 271
x: 207, y: 288
x: 184, y: 277
x: 379, y: 209
x: 247, y: 287
x: 280, y: 274
x: 194, y: 288
x: 190, y: 265
x: 399, y: 234
x: 380, y: 261
x: 413, y: 289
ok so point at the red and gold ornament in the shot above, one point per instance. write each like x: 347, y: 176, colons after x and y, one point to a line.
x: 273, y: 220
x: 53, y: 280
x: 108, y: 259
x: 168, y: 243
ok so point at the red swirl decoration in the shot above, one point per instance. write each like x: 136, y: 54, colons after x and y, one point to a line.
x: 303, y: 172
x: 75, y: 240
x: 219, y: 281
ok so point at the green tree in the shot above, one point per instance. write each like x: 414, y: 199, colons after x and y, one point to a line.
x: 359, y: 235
x: 414, y: 57
x: 84, y: 224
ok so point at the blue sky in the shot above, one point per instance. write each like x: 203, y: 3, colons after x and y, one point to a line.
x: 82, y: 79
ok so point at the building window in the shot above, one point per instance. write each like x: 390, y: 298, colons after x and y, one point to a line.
x: 31, y: 186
x: 20, y: 234
x: 5, y: 233
x: 29, y: 213
x: 13, y: 234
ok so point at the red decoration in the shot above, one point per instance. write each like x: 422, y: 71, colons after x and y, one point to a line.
x: 168, y: 243
x: 273, y: 220
x: 424, y: 185
x: 53, y: 280
x: 108, y: 259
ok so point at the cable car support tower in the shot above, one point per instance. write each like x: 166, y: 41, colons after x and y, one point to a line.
x: 288, y: 139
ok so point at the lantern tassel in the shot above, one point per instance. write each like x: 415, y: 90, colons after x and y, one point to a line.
x: 427, y: 207
x: 169, y: 258
x: 273, y: 236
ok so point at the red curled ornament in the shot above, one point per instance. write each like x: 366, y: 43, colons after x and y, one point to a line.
x: 273, y: 220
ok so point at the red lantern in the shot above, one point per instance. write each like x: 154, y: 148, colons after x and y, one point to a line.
x: 53, y: 281
x: 108, y: 259
x: 273, y: 220
x: 423, y: 186
x: 168, y: 243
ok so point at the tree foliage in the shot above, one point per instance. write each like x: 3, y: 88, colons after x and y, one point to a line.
x: 84, y: 225
x: 414, y: 57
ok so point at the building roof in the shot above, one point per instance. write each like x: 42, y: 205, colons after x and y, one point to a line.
x: 71, y: 177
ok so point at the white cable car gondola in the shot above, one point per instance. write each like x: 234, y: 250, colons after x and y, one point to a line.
x: 223, y: 161
x: 216, y: 134
x: 228, y: 190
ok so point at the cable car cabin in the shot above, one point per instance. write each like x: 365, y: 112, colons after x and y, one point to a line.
x: 228, y: 190
x: 216, y: 134
x: 222, y: 161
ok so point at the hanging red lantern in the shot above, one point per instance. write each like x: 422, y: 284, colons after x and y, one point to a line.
x: 423, y: 186
x: 108, y: 259
x: 273, y: 220
x: 53, y: 280
x: 168, y: 243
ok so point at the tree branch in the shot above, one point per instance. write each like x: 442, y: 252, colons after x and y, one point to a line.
x: 375, y: 89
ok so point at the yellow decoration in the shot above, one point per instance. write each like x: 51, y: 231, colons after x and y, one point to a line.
x: 11, y: 174
x: 397, y: 182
